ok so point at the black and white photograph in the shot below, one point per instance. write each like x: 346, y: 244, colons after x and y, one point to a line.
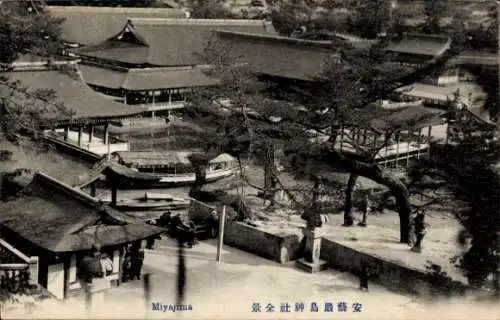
x: 249, y: 159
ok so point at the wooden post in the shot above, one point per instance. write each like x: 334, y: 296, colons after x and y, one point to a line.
x: 34, y: 269
x: 66, y: 133
x: 80, y: 133
x: 125, y: 98
x: 91, y: 132
x: 355, y: 137
x: 364, y: 137
x: 106, y: 133
x: 386, y: 150
x: 408, y: 151
x: 114, y: 193
x: 92, y: 189
x: 341, y: 136
x: 418, y: 141
x: 397, y: 150
x: 220, y: 240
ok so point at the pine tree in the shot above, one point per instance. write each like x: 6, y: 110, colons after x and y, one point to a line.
x: 254, y: 121
x: 468, y: 167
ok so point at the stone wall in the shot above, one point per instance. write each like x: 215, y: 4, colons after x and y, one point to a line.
x: 280, y: 247
x: 388, y: 274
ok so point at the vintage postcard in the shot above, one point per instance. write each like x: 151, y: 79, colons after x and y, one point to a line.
x: 249, y: 159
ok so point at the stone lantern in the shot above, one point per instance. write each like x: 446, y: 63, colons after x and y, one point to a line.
x: 313, y: 232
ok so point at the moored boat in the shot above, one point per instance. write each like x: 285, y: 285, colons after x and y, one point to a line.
x: 153, y: 201
x: 148, y: 170
x: 173, y: 169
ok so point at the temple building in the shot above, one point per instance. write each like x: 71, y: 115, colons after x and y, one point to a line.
x: 418, y: 126
x: 157, y: 62
x: 86, y: 25
x: 58, y: 225
x: 418, y: 49
x: 84, y: 110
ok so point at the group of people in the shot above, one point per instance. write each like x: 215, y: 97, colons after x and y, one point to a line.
x: 177, y: 228
x: 133, y: 261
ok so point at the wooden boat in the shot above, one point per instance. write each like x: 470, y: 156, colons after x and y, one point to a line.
x: 153, y: 201
x: 173, y: 169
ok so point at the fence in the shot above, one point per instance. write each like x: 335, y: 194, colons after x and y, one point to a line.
x: 17, y: 271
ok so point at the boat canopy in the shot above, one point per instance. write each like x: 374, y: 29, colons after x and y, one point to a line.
x: 225, y: 157
x: 153, y: 159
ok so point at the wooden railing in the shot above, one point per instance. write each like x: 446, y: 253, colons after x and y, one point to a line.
x: 14, y: 277
x: 17, y: 271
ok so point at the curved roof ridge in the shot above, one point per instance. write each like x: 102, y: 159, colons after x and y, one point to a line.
x: 160, y: 69
x: 87, y: 9
x: 288, y: 40
x: 173, y: 21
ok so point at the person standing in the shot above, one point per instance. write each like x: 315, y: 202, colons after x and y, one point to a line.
x: 364, y: 276
x: 137, y: 257
x: 365, y: 208
x: 127, y: 268
x: 150, y: 242
x: 107, y: 264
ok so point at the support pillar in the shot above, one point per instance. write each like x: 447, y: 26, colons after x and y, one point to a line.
x: 397, y: 151
x: 341, y: 137
x: 386, y: 151
x: 66, y: 133
x: 220, y: 239
x: 106, y: 134
x: 408, y: 152
x: 428, y: 140
x: 92, y: 189
x: 33, y: 270
x: 419, y: 141
x: 114, y: 194
x: 80, y: 134
x: 312, y: 262
x: 91, y: 132
x: 356, y: 137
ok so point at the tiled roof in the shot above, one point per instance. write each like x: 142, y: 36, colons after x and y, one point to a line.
x: 477, y: 58
x: 412, y: 117
x: 73, y: 93
x: 146, y: 79
x: 169, y: 42
x: 60, y: 218
x: 420, y: 44
x: 279, y: 56
x: 92, y: 25
x: 443, y: 93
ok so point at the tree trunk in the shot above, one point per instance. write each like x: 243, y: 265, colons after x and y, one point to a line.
x: 316, y: 190
x: 348, y: 218
x: 376, y: 173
